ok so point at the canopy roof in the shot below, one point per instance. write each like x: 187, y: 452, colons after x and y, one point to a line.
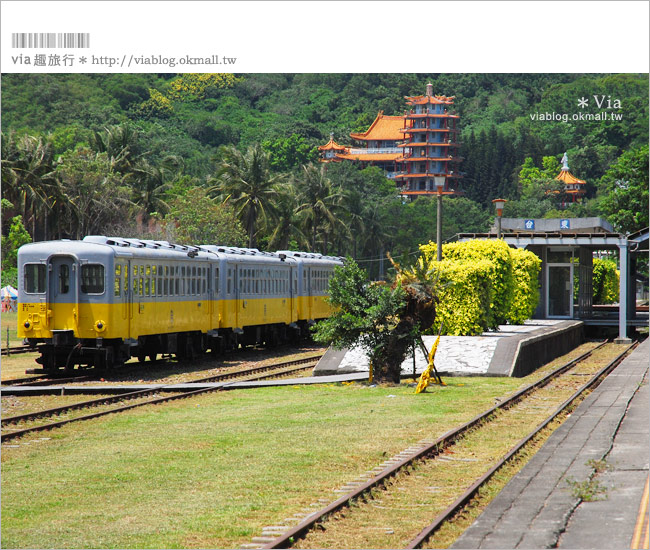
x: 331, y: 145
x: 383, y: 128
x: 568, y: 178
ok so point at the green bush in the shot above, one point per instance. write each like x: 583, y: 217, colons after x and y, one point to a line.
x: 465, y: 296
x: 484, y: 283
x: 525, y: 297
x: 498, y: 252
x: 605, y: 282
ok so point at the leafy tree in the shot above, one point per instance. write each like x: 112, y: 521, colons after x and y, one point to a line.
x: 290, y: 152
x: 195, y: 218
x: 195, y: 86
x: 383, y: 320
x: 158, y: 105
x: 626, y: 201
x: 17, y: 237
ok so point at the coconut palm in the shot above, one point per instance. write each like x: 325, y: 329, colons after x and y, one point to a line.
x: 286, y: 222
x: 318, y: 203
x: 148, y: 185
x: 27, y: 176
x: 245, y: 181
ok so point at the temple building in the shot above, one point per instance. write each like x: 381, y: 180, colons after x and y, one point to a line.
x: 430, y: 147
x: 377, y: 145
x: 573, y: 186
x: 417, y: 150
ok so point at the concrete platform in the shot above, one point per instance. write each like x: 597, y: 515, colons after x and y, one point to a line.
x: 513, y: 350
x: 537, y: 508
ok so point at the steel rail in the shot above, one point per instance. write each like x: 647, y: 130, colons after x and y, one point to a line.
x: 131, y: 395
x: 466, y: 497
x: 286, y: 540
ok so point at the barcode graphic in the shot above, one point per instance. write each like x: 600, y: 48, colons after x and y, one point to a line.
x: 50, y: 40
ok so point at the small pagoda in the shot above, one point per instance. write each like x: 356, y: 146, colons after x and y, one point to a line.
x: 431, y: 146
x: 573, y: 187
x: 331, y: 150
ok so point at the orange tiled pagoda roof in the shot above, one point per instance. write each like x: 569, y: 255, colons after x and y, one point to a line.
x: 424, y: 99
x: 331, y: 144
x: 568, y: 178
x: 383, y: 128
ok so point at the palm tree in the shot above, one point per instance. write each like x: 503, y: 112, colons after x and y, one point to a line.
x: 245, y: 181
x: 27, y: 173
x: 119, y: 142
x: 148, y: 185
x: 318, y: 203
x: 285, y: 221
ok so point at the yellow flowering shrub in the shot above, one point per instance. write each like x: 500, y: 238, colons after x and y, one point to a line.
x: 483, y: 283
x: 525, y: 294
x: 192, y: 86
x: 464, y: 297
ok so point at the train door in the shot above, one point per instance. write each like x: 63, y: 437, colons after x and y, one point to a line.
x: 63, y: 293
x: 127, y: 301
x: 293, y: 290
x: 237, y: 290
x: 310, y: 296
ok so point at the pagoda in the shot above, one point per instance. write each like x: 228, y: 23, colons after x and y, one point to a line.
x: 331, y: 150
x: 431, y: 146
x: 573, y: 186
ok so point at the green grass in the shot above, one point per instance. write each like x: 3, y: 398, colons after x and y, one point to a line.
x: 212, y: 471
x: 9, y: 320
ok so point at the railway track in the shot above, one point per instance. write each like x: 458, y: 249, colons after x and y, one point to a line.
x: 331, y: 526
x: 16, y: 350
x: 276, y: 370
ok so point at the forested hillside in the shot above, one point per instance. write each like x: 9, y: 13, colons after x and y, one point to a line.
x: 168, y: 155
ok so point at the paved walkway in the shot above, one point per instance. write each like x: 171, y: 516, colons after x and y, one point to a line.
x: 491, y: 353
x: 537, y: 508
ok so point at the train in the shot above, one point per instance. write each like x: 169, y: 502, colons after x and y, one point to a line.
x: 103, y: 300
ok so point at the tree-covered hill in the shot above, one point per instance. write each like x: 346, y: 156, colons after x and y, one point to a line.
x: 146, y: 140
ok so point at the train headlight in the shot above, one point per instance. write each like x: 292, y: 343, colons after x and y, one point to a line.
x: 27, y: 325
x: 100, y: 326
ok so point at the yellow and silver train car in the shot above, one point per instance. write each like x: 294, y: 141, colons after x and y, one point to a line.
x: 103, y: 300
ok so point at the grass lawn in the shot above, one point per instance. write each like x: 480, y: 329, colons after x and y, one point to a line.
x: 210, y: 472
x: 9, y: 320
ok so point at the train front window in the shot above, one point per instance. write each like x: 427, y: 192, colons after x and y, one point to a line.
x: 34, y: 278
x: 92, y: 278
x: 64, y: 279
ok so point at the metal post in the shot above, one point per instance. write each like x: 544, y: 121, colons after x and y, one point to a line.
x: 622, y: 294
x: 439, y: 226
x: 498, y: 227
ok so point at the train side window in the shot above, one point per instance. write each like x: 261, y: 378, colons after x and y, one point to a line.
x: 64, y: 279
x: 216, y: 281
x: 118, y: 280
x: 92, y: 278
x: 160, y: 283
x: 206, y: 280
x: 229, y: 283
x: 134, y: 278
x: 166, y: 281
x: 35, y: 278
